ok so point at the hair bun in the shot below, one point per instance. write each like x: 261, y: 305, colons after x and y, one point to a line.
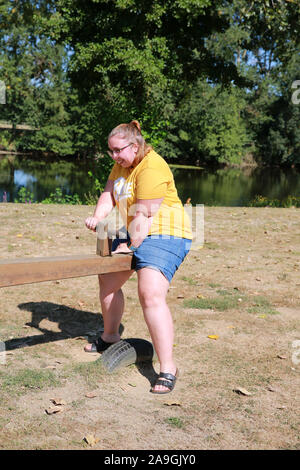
x: 137, y: 125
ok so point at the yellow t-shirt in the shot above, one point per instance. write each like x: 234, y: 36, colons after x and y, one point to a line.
x: 151, y: 179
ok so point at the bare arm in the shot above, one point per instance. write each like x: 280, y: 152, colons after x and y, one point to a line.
x: 104, y: 206
x: 144, y: 211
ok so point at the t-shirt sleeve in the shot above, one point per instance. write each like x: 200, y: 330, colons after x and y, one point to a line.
x: 152, y: 183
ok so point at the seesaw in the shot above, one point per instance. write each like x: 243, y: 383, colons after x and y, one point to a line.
x: 32, y: 270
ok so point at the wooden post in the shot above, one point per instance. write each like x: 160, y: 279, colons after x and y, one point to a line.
x: 104, y: 242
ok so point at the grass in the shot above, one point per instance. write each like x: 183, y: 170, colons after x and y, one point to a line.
x: 186, y: 167
x: 189, y: 280
x: 211, y: 414
x: 91, y: 372
x: 175, y: 422
x: 215, y: 303
x: 28, y: 378
x: 227, y: 300
x: 261, y: 305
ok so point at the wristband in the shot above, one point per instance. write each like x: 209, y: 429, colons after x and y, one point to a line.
x: 131, y: 247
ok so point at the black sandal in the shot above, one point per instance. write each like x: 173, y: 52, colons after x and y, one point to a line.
x: 98, y: 346
x: 169, y: 382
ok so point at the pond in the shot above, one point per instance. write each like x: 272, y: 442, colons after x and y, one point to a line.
x: 223, y: 187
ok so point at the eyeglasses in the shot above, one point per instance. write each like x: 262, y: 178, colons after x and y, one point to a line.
x: 117, y: 151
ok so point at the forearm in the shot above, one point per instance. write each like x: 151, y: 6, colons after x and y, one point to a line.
x: 139, y: 228
x: 104, y: 206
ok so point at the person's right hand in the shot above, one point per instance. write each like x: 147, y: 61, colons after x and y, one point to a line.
x: 91, y: 223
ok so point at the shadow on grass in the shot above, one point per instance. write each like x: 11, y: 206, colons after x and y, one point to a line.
x: 71, y: 322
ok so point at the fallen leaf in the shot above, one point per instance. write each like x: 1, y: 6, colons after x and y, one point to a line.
x: 91, y: 395
x: 91, y: 440
x: 200, y: 296
x: 58, y: 401
x: 172, y: 403
x: 280, y: 356
x: 132, y: 385
x: 242, y: 391
x: 54, y: 409
x: 180, y: 296
x: 20, y: 235
x: 213, y: 336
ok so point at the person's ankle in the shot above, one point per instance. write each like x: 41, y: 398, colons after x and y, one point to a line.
x: 110, y: 338
x: 168, y: 368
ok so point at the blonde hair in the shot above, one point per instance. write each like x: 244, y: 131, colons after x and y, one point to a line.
x: 132, y: 133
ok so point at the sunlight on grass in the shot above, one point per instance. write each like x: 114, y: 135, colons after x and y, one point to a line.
x: 28, y: 378
x: 215, y: 303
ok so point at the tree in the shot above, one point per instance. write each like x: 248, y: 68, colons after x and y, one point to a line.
x: 134, y: 58
x: 32, y: 68
x: 209, y: 126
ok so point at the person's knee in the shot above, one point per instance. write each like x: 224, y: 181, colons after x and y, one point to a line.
x: 150, y: 297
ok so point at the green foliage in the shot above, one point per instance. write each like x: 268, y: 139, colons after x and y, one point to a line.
x: 59, y: 198
x: 134, y: 59
x: 99, y: 178
x: 209, y: 81
x: 209, y: 125
x: 262, y: 201
x: 25, y: 196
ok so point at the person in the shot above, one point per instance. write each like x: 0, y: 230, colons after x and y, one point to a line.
x: 142, y: 186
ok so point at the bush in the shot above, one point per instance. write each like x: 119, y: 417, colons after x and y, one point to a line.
x: 58, y: 198
x: 262, y: 201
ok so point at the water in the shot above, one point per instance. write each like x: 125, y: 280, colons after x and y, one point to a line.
x: 227, y: 187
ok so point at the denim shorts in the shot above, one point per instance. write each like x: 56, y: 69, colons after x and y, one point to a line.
x: 163, y: 253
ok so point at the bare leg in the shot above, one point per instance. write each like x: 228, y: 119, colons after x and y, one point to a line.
x: 112, y: 304
x: 153, y: 288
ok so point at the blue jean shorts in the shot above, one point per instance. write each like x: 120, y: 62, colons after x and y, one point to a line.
x: 163, y: 253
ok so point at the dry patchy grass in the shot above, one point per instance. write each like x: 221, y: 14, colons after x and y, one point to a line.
x: 241, y: 288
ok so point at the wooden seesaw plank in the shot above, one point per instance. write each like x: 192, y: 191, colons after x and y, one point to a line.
x: 31, y: 270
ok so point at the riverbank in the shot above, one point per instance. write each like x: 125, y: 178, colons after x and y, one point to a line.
x: 235, y: 304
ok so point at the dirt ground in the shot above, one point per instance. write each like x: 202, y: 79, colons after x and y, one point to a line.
x: 235, y: 304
